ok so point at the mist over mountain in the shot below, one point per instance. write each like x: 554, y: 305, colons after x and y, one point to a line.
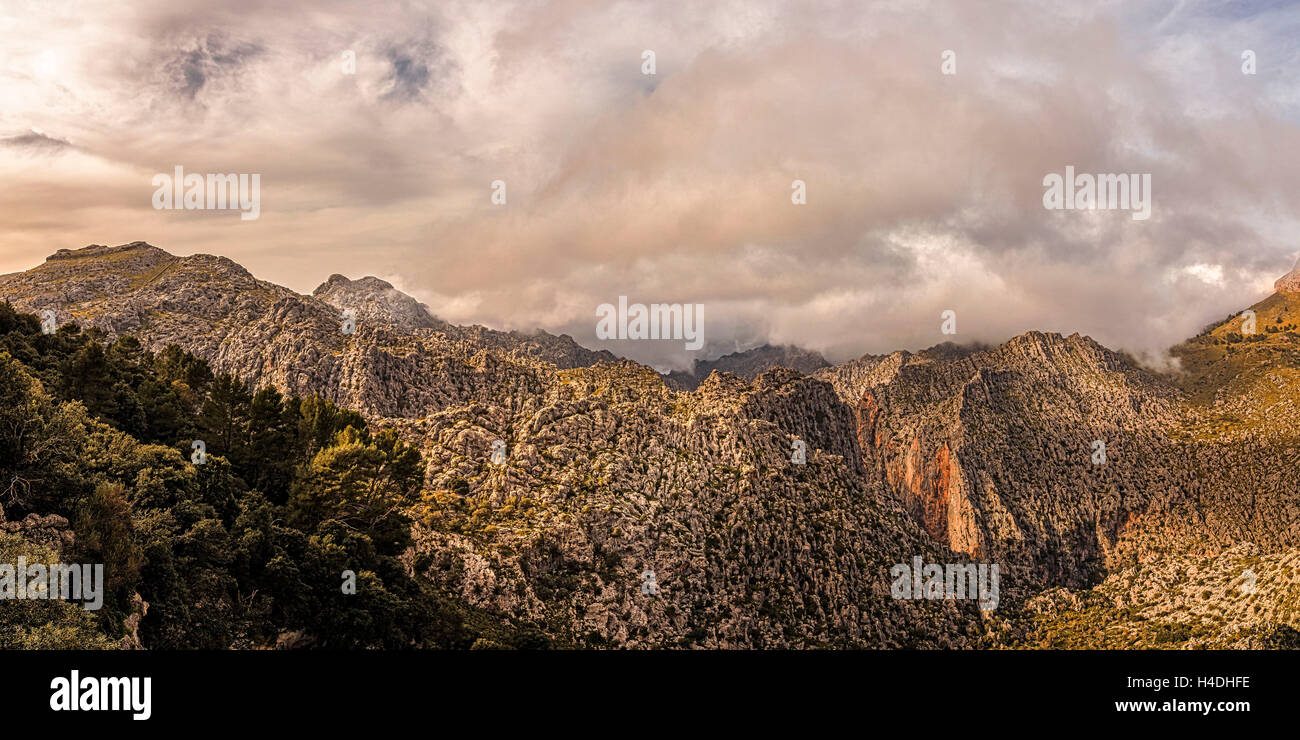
x: 749, y: 364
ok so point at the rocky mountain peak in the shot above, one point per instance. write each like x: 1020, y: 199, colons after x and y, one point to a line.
x: 1037, y: 346
x: 337, y: 282
x: 332, y: 283
x: 377, y: 300
x: 141, y: 252
x: 1290, y: 282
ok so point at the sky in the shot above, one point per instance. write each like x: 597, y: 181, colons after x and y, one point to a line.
x: 924, y: 190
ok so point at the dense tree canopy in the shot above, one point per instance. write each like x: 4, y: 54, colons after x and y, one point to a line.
x: 244, y: 550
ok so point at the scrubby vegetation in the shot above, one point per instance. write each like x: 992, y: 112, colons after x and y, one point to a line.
x: 247, y: 549
x: 1241, y: 598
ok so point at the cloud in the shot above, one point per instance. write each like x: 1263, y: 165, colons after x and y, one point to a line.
x: 34, y: 141
x: 410, y: 77
x: 203, y: 59
x: 924, y: 190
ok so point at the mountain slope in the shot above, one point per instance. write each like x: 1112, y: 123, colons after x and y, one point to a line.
x: 399, y: 361
x: 954, y: 453
x: 1242, y: 379
x: 608, y: 473
x: 994, y: 453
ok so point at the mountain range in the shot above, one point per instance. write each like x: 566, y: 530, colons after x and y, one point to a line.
x: 1126, y: 507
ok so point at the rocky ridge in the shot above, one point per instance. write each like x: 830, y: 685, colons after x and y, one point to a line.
x: 610, y: 471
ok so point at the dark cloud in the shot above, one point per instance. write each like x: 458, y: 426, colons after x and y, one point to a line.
x: 409, y: 76
x: 33, y: 141
x: 204, y: 59
x: 415, y: 68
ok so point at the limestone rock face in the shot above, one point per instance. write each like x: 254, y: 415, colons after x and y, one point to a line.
x: 49, y: 531
x: 139, y: 608
x: 992, y: 451
x: 1290, y: 282
x: 378, y: 302
x: 1063, y: 460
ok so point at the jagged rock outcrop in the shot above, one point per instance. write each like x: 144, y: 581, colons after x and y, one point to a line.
x: 50, y: 531
x: 131, y: 624
x: 1290, y: 282
x: 377, y: 302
